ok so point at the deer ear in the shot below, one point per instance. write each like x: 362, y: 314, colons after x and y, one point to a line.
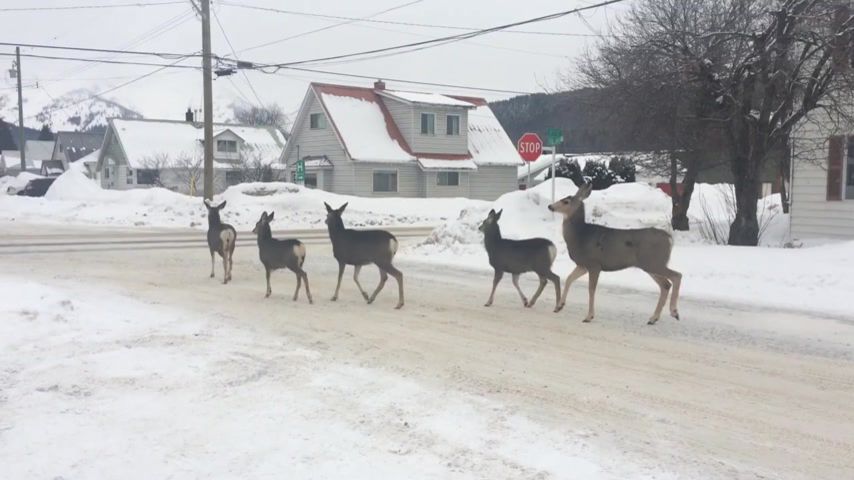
x: 270, y: 216
x: 585, y: 190
x: 328, y: 208
x: 341, y: 210
x: 498, y: 215
x: 207, y: 202
x: 221, y: 205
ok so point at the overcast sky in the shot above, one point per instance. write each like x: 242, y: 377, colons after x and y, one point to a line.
x: 512, y: 61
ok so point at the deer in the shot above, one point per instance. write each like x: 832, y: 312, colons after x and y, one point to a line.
x: 221, y: 239
x: 596, y: 249
x: 360, y: 248
x: 517, y: 257
x: 275, y: 254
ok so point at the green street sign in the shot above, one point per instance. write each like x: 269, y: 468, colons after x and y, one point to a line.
x: 554, y: 136
x: 300, y: 171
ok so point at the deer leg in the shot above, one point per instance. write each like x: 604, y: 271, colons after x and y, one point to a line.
x: 591, y: 287
x: 556, y: 281
x: 307, y: 290
x: 356, y: 270
x: 573, y: 276
x: 664, y: 286
x: 383, y: 279
x: 676, y: 278
x: 516, y: 284
x: 299, y: 283
x: 213, y: 262
x: 340, y: 276
x: 224, y: 267
x: 230, y: 264
x: 495, y: 279
x: 398, y: 276
x: 269, y: 290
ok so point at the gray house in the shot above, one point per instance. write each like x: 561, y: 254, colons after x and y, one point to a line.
x: 169, y: 153
x: 380, y: 142
x: 72, y: 146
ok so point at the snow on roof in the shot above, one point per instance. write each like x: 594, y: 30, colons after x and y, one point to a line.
x: 362, y: 126
x: 39, y: 149
x: 427, y: 98
x: 442, y: 164
x: 91, y: 157
x: 147, y: 141
x: 488, y: 142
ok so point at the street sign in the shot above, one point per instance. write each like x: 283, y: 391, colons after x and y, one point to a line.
x: 530, y: 147
x: 554, y: 136
x: 299, y: 176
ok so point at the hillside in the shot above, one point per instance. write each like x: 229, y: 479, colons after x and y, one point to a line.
x: 587, y: 126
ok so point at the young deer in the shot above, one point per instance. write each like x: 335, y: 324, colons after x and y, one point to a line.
x: 275, y: 254
x: 221, y: 240
x: 517, y: 257
x: 595, y: 248
x: 359, y: 248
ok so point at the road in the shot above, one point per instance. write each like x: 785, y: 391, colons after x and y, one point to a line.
x: 728, y: 392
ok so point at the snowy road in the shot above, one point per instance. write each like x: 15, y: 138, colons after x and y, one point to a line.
x: 443, y: 389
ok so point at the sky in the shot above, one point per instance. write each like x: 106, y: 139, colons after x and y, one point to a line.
x: 508, y: 61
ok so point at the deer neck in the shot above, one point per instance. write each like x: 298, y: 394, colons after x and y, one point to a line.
x: 335, y: 230
x: 573, y: 227
x: 264, y: 234
x: 491, y: 237
x: 214, y: 220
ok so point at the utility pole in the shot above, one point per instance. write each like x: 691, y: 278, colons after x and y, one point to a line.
x: 21, y: 145
x: 208, y: 94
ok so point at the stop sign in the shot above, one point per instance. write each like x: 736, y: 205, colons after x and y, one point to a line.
x: 530, y: 147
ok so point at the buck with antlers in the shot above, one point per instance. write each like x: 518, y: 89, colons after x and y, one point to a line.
x: 595, y: 248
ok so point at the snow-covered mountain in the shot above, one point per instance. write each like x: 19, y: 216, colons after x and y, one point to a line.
x: 81, y: 110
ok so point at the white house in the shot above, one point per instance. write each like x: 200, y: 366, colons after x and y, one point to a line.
x: 380, y: 142
x: 168, y: 153
x: 822, y: 182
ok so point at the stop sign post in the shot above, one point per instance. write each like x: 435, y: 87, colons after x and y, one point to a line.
x: 530, y: 147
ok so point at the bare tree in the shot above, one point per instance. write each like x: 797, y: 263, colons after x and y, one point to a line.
x: 186, y: 170
x: 270, y: 115
x: 753, y: 70
x: 255, y: 167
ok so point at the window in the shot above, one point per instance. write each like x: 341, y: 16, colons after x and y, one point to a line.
x: 309, y: 179
x: 448, y: 179
x: 129, y: 180
x: 385, y: 181
x: 849, y: 170
x: 226, y: 146
x: 428, y: 124
x: 147, y: 177
x: 453, y: 125
x: 317, y: 121
x: 233, y: 177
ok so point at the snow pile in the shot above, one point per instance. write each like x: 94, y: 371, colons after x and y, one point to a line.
x: 12, y: 184
x: 74, y: 198
x: 712, y: 211
x: 100, y: 385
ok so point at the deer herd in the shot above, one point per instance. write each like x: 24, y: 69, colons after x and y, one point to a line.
x: 593, y: 248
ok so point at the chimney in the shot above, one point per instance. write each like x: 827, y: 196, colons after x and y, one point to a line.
x: 379, y: 85
x: 189, y: 115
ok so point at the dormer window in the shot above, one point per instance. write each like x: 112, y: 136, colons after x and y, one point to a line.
x: 317, y: 121
x: 226, y: 146
x: 428, y: 124
x: 452, y: 125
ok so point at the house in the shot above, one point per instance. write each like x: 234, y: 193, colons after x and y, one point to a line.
x: 169, y: 153
x: 380, y: 142
x: 10, y: 149
x: 72, y: 146
x: 822, y: 197
x: 51, y: 168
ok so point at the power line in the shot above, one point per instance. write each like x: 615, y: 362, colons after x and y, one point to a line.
x: 97, y: 60
x: 163, y: 55
x: 233, y: 52
x: 328, y: 27
x: 424, y: 44
x: 90, y: 7
x: 392, y: 22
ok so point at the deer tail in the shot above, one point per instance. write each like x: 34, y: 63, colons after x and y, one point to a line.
x: 552, y: 253
x: 227, y: 238
x: 392, y: 246
x: 299, y: 251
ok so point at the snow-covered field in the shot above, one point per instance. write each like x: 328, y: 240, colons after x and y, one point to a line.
x: 76, y: 200
x: 95, y: 384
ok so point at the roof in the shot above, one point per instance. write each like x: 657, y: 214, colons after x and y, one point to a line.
x: 52, y: 167
x: 425, y: 98
x: 9, y: 135
x: 168, y: 141
x: 39, y: 149
x: 91, y: 157
x: 367, y: 131
x: 75, y: 145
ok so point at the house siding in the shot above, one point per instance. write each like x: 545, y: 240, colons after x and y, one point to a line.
x: 490, y: 182
x: 440, y: 142
x: 319, y: 142
x: 408, y: 179
x: 812, y: 215
x: 403, y: 116
x: 433, y: 189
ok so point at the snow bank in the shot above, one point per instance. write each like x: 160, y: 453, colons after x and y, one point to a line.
x: 74, y: 198
x: 11, y: 184
x: 813, y: 279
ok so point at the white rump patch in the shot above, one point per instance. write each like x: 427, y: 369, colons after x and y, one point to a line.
x: 392, y: 246
x: 299, y: 250
x: 552, y: 253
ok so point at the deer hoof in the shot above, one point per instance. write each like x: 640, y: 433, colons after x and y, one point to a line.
x: 310, y: 301
x: 652, y: 321
x: 399, y: 306
x: 333, y: 299
x: 267, y: 295
x: 487, y: 304
x: 587, y: 320
x: 675, y: 314
x: 296, y: 298
x: 558, y: 308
